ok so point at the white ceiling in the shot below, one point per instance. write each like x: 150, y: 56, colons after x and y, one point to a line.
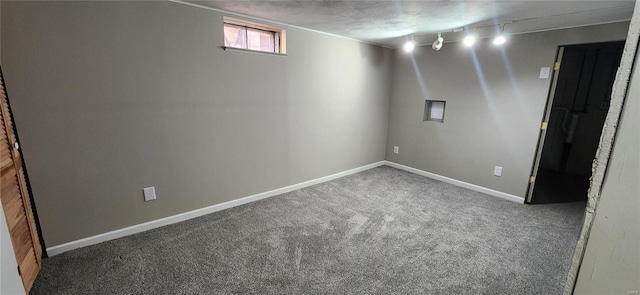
x: 389, y: 23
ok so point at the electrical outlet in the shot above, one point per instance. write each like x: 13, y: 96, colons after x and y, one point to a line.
x: 497, y: 171
x: 149, y: 193
x: 396, y: 149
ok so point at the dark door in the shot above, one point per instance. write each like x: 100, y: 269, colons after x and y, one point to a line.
x: 578, y: 110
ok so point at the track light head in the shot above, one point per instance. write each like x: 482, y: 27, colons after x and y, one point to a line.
x: 469, y: 40
x: 500, y: 38
x: 409, y: 45
x: 437, y: 45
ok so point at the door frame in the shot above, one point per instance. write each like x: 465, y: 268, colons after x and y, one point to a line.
x: 543, y: 124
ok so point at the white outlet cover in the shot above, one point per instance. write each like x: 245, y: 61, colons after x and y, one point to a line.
x: 544, y: 72
x: 497, y: 171
x: 149, y: 193
x: 396, y: 149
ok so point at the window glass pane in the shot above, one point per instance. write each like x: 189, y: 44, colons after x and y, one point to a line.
x: 437, y: 110
x: 260, y: 40
x: 235, y: 36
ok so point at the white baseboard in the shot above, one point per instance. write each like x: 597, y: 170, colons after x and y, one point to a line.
x: 58, y: 249
x: 459, y: 183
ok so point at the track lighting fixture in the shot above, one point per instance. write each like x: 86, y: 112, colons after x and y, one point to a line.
x: 437, y: 45
x: 469, y: 40
x: 409, y: 45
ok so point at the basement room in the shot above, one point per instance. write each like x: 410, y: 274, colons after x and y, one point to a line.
x: 319, y: 147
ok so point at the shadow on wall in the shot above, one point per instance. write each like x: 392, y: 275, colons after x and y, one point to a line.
x: 375, y: 55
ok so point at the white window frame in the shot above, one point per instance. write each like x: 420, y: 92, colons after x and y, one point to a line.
x: 279, y: 35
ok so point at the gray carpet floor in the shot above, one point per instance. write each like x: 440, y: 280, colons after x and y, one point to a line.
x: 381, y: 231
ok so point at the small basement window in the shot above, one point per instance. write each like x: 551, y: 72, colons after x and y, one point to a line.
x: 253, y: 36
x: 434, y: 110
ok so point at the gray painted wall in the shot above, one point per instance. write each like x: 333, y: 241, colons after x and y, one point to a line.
x: 111, y: 97
x: 611, y: 263
x: 495, y: 103
x: 10, y: 282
